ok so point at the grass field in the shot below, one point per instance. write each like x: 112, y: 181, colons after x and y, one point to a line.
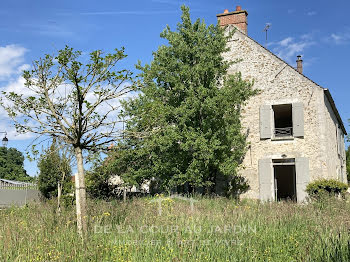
x: 215, y: 229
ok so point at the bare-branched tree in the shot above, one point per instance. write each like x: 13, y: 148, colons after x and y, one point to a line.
x: 76, y: 100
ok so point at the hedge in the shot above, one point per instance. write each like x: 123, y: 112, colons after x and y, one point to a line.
x: 326, y: 187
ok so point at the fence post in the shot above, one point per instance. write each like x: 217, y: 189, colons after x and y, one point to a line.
x: 25, y: 200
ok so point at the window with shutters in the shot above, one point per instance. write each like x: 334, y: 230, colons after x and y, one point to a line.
x: 283, y: 120
x: 340, y: 142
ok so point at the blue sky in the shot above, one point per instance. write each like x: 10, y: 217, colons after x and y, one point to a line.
x: 318, y: 30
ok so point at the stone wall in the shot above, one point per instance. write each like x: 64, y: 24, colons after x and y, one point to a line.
x: 335, y: 161
x: 279, y: 83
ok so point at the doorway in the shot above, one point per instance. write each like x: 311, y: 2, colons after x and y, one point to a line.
x: 285, y: 179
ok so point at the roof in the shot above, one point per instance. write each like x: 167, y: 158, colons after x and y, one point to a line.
x: 326, y: 91
x: 12, y: 182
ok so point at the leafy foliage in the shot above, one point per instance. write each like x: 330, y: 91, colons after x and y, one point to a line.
x: 69, y: 99
x: 54, y: 168
x: 326, y: 187
x: 237, y: 185
x: 98, y: 183
x: 11, y: 165
x: 101, y: 180
x: 188, y: 110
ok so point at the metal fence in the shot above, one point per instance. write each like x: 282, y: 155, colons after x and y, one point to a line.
x: 286, y: 131
x: 17, y: 194
x: 20, y: 186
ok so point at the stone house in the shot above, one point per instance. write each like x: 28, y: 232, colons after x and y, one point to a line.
x: 294, y: 130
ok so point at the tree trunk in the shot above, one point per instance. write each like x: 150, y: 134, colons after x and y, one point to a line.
x: 80, y: 193
x: 59, y: 193
x: 124, y: 194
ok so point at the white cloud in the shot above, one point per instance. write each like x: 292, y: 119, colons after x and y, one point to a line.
x: 50, y: 28
x: 12, y: 63
x: 289, y: 47
x: 12, y: 134
x: 133, y: 12
x: 311, y: 13
x: 18, y: 87
x: 169, y: 2
x: 308, y: 37
x: 11, y: 60
x: 340, y: 38
x: 103, y: 108
x: 286, y: 41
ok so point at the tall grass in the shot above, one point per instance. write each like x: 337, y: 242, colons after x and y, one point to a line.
x: 216, y: 229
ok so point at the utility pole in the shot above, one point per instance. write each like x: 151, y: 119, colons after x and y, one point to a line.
x: 267, y: 27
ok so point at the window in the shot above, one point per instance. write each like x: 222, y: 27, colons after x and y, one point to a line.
x: 283, y: 120
x: 340, y: 142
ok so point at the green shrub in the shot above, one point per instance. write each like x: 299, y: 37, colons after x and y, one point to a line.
x: 326, y: 187
x: 68, y: 200
x: 237, y: 186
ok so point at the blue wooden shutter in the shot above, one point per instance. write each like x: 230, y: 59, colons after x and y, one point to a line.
x: 298, y: 120
x: 266, y: 180
x: 302, y: 177
x: 265, y: 121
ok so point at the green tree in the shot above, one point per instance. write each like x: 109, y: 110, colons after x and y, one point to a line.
x: 184, y: 128
x: 99, y: 179
x: 98, y: 183
x: 54, y: 171
x: 11, y: 165
x: 75, y: 99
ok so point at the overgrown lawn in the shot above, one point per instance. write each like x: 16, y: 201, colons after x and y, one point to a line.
x: 214, y: 229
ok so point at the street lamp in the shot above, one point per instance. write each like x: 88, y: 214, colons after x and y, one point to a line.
x: 4, y: 140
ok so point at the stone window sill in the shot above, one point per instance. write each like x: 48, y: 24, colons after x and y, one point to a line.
x: 282, y: 138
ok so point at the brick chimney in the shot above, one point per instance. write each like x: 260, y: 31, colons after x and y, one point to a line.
x: 237, y: 18
x: 299, y: 64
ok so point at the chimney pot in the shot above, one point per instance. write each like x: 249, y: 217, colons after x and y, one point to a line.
x: 226, y: 11
x: 238, y: 8
x: 299, y: 64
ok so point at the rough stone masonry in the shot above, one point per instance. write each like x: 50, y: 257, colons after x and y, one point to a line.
x: 317, y: 143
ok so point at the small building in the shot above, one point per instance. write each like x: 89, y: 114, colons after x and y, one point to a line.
x: 293, y: 127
